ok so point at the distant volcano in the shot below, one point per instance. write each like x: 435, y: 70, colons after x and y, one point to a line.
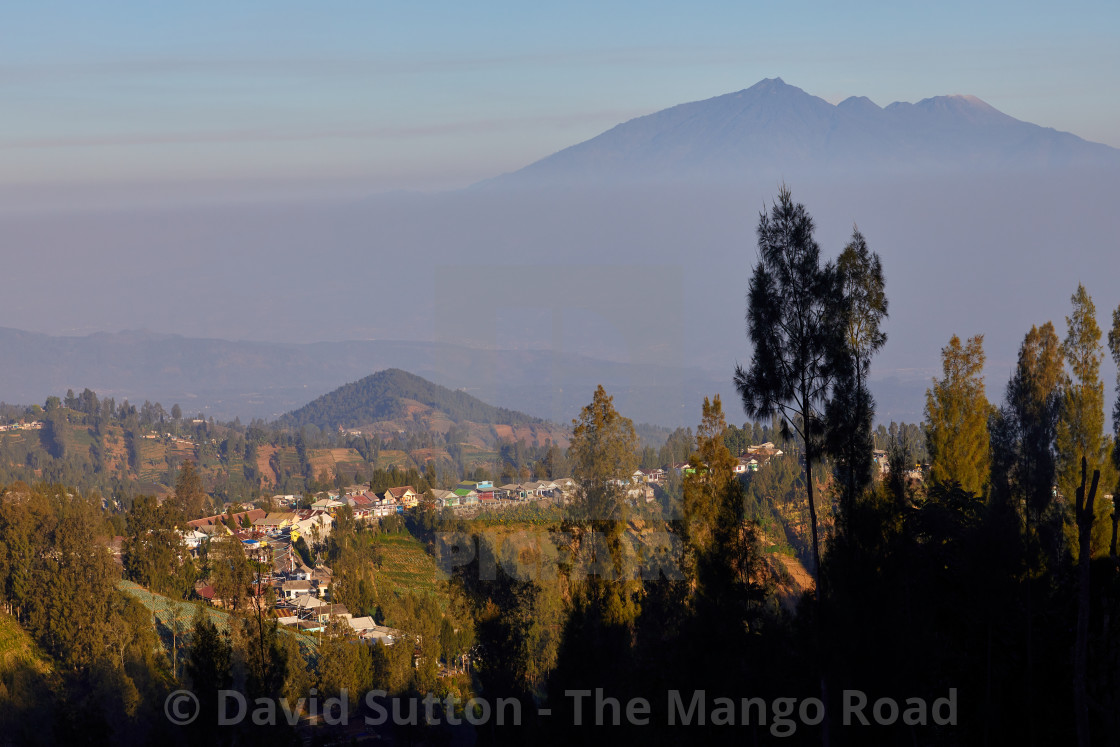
x: 773, y: 128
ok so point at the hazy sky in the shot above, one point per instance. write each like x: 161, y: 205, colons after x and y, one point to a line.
x: 383, y: 95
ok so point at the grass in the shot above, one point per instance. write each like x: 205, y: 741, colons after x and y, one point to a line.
x: 80, y: 437
x: 176, y: 615
x: 17, y: 648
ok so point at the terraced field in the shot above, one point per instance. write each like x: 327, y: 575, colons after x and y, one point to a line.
x: 389, y: 459
x: 174, y: 617
x: 330, y: 459
x: 153, y: 461
x: 472, y: 454
x: 407, y: 564
x: 80, y: 437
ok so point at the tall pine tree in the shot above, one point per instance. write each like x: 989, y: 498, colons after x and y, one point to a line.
x: 957, y: 417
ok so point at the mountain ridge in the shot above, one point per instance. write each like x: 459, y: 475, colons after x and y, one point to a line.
x: 773, y: 126
x: 256, y: 379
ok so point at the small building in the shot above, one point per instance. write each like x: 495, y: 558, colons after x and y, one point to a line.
x: 467, y: 497
x: 404, y: 495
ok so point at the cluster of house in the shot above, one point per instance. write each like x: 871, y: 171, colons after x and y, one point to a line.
x: 303, y: 602
x: 369, y: 505
x: 302, y: 595
x: 755, y: 457
x: 34, y: 425
x: 250, y: 526
x: 914, y: 474
x: 485, y: 493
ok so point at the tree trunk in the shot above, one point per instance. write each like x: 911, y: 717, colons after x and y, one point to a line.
x: 1115, y: 522
x: 1081, y: 650
x: 817, y: 596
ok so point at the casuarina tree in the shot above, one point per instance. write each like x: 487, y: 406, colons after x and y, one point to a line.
x: 851, y: 408
x: 794, y: 309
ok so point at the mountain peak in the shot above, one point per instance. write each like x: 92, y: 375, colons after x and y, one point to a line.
x: 858, y: 104
x: 771, y: 83
x: 971, y: 100
x: 772, y: 86
x: 773, y: 128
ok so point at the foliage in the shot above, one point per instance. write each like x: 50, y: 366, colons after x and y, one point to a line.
x: 190, y: 498
x: 1080, y: 433
x: 154, y: 553
x: 103, y: 683
x: 1025, y: 429
x: 713, y: 477
x: 794, y: 311
x: 957, y: 417
x: 851, y: 409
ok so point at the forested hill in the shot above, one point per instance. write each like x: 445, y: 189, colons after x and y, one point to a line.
x: 385, y: 395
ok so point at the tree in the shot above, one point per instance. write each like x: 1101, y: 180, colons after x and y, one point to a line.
x: 793, y: 314
x: 957, y: 418
x: 852, y: 408
x: 176, y: 412
x: 602, y: 454
x: 706, y: 486
x: 1023, y: 466
x: 56, y: 432
x: 1034, y: 396
x: 208, y: 668
x: 1114, y: 347
x: 344, y: 664
x: 230, y: 572
x: 189, y: 495
x: 1080, y: 432
x: 604, y: 444
x: 153, y: 548
x: 792, y: 307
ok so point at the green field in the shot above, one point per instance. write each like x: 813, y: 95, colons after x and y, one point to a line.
x: 407, y: 564
x: 80, y: 437
x: 472, y: 455
x: 176, y: 616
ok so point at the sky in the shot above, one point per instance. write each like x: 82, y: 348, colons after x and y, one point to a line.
x: 126, y: 100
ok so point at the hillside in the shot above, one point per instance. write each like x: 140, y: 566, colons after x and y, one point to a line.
x: 17, y: 649
x: 394, y: 394
x: 122, y: 451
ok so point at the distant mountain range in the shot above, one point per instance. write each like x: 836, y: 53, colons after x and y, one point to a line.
x: 621, y: 261
x: 228, y: 379
x: 773, y: 127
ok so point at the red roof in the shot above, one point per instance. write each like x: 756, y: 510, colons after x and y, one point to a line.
x: 361, y: 500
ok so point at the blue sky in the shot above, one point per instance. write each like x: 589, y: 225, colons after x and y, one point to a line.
x: 384, y: 95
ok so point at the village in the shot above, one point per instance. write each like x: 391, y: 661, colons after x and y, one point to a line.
x: 296, y: 589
